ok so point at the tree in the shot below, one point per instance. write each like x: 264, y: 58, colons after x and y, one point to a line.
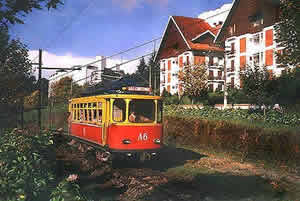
x: 11, y: 11
x: 289, y: 88
x: 288, y: 32
x: 258, y: 86
x: 143, y: 69
x: 16, y: 80
x: 194, y: 81
x: 60, y: 91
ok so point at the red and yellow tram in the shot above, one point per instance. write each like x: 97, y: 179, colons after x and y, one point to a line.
x: 118, y: 123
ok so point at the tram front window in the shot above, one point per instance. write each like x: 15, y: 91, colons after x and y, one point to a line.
x: 141, y: 111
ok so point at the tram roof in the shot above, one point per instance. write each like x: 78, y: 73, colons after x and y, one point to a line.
x: 122, y: 96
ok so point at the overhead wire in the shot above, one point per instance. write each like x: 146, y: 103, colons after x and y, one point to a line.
x: 116, y: 54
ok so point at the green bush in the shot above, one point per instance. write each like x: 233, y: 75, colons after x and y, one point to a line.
x: 27, y: 165
x: 272, y: 119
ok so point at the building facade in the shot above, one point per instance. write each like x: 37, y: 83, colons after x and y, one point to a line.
x: 249, y: 37
x: 189, y: 41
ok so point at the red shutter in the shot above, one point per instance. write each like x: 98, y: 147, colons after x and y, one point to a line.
x: 269, y: 37
x: 169, y: 89
x: 269, y: 57
x: 232, y: 82
x: 188, y: 60
x: 243, y: 45
x: 169, y: 77
x: 242, y: 62
x: 199, y: 60
x: 180, y: 61
x: 169, y: 65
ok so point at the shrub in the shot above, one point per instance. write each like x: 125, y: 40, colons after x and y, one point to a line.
x: 27, y: 165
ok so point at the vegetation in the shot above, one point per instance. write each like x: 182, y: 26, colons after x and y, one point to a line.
x: 27, y: 168
x: 288, y: 32
x: 60, y: 91
x: 16, y: 80
x: 252, y: 118
x: 193, y: 79
x: 11, y: 12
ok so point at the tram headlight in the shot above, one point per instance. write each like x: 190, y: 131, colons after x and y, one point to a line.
x: 157, y: 141
x: 126, y: 141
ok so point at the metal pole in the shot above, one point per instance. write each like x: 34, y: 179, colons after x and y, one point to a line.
x: 40, y: 91
x: 225, y: 84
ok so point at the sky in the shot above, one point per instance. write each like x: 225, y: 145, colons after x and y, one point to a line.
x: 80, y: 30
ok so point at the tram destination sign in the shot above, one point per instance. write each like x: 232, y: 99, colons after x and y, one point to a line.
x: 145, y: 89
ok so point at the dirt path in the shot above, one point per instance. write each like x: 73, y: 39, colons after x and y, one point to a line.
x: 183, y: 174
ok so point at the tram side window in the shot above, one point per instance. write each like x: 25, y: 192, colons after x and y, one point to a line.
x: 141, y: 111
x: 85, y: 112
x: 119, y: 110
x: 81, y: 115
x: 77, y: 112
x: 89, y: 109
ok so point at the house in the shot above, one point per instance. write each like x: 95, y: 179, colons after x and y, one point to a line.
x: 189, y: 41
x: 249, y: 37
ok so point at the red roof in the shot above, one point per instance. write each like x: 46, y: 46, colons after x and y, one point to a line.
x: 190, y: 29
x: 193, y: 27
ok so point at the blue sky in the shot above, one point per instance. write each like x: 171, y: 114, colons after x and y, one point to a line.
x: 87, y: 28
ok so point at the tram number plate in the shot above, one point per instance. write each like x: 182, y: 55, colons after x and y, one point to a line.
x: 143, y: 137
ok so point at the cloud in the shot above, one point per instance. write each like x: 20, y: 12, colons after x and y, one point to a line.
x: 214, y: 16
x: 129, y: 5
x: 68, y: 60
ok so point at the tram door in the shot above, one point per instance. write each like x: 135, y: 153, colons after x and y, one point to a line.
x: 105, y: 120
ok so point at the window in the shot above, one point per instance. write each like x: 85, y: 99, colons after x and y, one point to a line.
x: 256, y: 59
x: 119, y: 110
x: 232, y: 65
x: 256, y: 19
x: 211, y: 75
x: 220, y: 75
x: 188, y: 60
x: 211, y: 87
x: 232, y: 29
x: 256, y: 39
x: 232, y: 48
x: 211, y: 61
x: 141, y: 111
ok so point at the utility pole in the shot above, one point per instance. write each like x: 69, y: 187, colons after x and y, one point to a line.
x: 225, y: 85
x: 40, y: 90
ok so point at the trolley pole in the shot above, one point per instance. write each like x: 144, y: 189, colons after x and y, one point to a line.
x: 40, y: 90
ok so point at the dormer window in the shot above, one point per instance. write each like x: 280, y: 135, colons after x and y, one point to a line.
x: 256, y: 19
x: 232, y: 29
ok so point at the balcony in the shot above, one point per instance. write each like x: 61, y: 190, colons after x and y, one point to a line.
x: 216, y: 78
x: 230, y: 74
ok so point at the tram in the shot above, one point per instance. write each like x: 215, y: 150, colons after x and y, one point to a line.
x: 126, y: 123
